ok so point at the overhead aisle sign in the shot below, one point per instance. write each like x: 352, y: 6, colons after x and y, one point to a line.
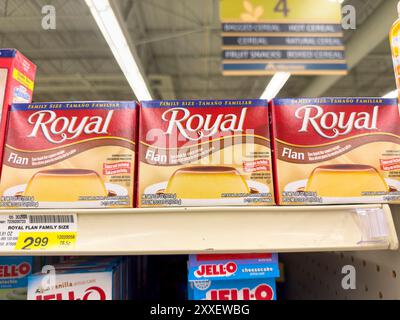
x: 261, y: 37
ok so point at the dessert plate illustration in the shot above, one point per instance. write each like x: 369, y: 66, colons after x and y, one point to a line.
x: 255, y: 186
x: 300, y: 185
x: 114, y: 190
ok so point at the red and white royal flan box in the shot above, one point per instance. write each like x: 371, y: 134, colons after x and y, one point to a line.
x: 204, y: 153
x: 17, y: 78
x: 70, y: 155
x: 336, y: 150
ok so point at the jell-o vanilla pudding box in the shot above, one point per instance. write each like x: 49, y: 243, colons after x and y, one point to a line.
x: 204, y: 153
x: 17, y: 78
x: 336, y: 150
x: 91, y: 280
x: 69, y: 155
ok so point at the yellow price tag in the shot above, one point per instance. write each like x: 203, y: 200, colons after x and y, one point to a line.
x: 46, y: 241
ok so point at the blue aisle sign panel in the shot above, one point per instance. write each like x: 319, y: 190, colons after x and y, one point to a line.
x: 261, y: 37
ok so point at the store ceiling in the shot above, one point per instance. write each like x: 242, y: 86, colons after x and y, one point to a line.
x: 179, y: 45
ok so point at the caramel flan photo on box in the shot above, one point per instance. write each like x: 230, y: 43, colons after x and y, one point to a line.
x: 204, y: 153
x: 69, y: 155
x: 336, y: 150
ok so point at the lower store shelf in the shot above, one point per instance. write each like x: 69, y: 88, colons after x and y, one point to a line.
x: 375, y: 274
x: 225, y: 230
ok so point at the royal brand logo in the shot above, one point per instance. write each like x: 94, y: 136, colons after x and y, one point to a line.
x: 15, y: 271
x: 204, y: 126
x: 331, y: 124
x: 261, y: 292
x: 59, y: 129
x: 216, y: 270
x: 92, y: 293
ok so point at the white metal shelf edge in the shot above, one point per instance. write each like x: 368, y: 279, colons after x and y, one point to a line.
x: 219, y: 230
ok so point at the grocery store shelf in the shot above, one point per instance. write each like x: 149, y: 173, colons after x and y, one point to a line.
x: 377, y: 273
x: 228, y: 230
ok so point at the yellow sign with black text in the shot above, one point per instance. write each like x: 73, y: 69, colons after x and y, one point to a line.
x: 288, y: 11
x: 50, y: 241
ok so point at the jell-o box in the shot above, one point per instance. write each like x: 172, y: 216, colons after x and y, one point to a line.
x: 14, y: 273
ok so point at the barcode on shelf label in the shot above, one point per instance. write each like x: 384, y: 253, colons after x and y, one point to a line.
x: 51, y: 218
x: 373, y: 224
x: 38, y: 231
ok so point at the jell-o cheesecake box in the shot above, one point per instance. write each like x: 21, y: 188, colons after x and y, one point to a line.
x: 233, y: 276
x: 336, y: 150
x: 233, y: 266
x: 17, y: 79
x: 69, y: 155
x: 263, y: 289
x: 204, y: 153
